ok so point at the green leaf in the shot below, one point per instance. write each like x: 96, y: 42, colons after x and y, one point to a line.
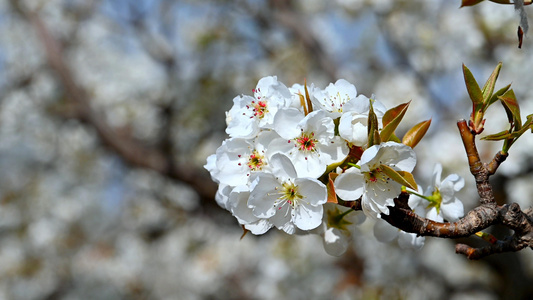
x: 415, y: 134
x: 511, y: 107
x: 391, y: 120
x: 470, y: 2
x: 403, y: 178
x: 497, y: 136
x: 394, y: 138
x: 373, y: 133
x: 495, y: 96
x: 473, y: 89
x: 488, y: 88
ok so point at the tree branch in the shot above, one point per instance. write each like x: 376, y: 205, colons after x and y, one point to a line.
x: 131, y: 150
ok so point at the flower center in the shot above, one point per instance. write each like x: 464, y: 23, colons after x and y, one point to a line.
x: 435, y: 200
x: 376, y: 175
x: 256, y: 161
x: 306, y: 142
x: 259, y: 108
x: 290, y: 194
x: 336, y: 219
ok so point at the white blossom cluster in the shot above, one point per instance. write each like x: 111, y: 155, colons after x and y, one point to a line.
x: 284, y: 145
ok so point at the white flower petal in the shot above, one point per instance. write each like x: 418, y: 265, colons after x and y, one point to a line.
x: 384, y: 232
x: 335, y: 243
x: 286, y: 123
x: 307, y: 217
x: 408, y: 240
x: 282, y: 167
x: 263, y: 195
x: 453, y: 210
x: 350, y: 184
x: 314, y: 191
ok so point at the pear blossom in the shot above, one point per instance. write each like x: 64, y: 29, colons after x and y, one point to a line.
x: 334, y: 97
x: 386, y: 233
x: 238, y: 205
x: 353, y: 124
x: 370, y: 182
x: 237, y: 158
x: 286, y: 200
x: 298, y: 90
x: 444, y: 205
x: 250, y: 114
x: 337, y: 227
x: 309, y: 141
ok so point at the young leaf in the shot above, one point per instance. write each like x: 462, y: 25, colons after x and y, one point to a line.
x: 473, y: 89
x: 511, y: 107
x: 373, y: 133
x: 410, y: 179
x: 495, y: 96
x: 393, y: 113
x: 307, y: 98
x: 497, y: 136
x: 332, y: 196
x: 488, y: 88
x: 400, y: 176
x: 415, y: 134
x: 392, y: 119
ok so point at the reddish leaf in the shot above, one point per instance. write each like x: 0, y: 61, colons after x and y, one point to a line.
x: 511, y: 107
x: 392, y: 119
x: 495, y: 96
x: 309, y: 103
x: 393, y: 113
x: 415, y: 134
x: 332, y: 196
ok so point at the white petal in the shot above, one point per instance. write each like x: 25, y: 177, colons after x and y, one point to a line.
x: 286, y: 123
x: 335, y: 243
x: 408, y: 240
x: 453, y: 210
x: 282, y: 167
x: 432, y: 215
x: 334, y: 151
x: 263, y: 195
x: 314, y: 191
x: 353, y: 128
x: 385, y: 232
x: 222, y: 195
x: 308, y: 165
x: 307, y: 217
x: 259, y: 227
x: 436, y: 175
x: 350, y: 184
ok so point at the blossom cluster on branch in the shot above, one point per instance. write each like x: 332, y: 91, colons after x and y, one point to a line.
x: 305, y: 160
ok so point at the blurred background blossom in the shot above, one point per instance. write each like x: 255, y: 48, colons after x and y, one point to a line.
x: 108, y: 109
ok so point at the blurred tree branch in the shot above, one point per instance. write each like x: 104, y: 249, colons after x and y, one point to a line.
x: 131, y: 150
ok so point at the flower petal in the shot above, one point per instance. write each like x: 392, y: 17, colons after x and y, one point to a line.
x: 350, y: 185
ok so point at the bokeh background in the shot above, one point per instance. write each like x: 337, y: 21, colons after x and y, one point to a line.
x: 109, y: 108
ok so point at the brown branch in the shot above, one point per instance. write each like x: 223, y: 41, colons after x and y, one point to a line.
x: 498, y: 159
x: 479, y: 218
x: 477, y: 168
